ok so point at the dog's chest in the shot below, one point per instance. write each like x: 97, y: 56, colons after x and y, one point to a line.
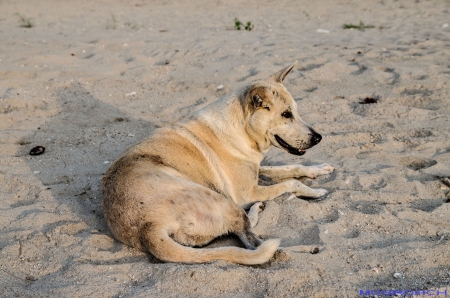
x: 240, y: 178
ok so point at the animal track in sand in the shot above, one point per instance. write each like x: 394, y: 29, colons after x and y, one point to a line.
x: 427, y: 205
x: 367, y: 207
x: 387, y: 76
x: 329, y: 218
x: 355, y: 233
x: 416, y: 163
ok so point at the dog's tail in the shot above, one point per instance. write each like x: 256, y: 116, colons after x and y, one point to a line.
x: 158, y: 242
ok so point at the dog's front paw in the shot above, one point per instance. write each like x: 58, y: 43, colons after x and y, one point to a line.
x: 322, y: 169
x: 319, y: 192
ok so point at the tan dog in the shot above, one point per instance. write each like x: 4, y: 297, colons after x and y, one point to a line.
x: 187, y: 184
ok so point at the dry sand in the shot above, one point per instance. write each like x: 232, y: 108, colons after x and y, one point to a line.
x: 91, y: 78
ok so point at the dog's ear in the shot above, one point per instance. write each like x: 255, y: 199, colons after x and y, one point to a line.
x: 281, y: 75
x: 257, y: 101
x: 259, y: 97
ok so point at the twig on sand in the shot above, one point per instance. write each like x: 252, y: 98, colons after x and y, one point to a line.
x: 361, y: 26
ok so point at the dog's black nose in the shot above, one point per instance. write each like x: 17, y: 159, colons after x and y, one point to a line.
x: 315, y: 137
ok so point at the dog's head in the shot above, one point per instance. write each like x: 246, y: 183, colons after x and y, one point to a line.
x: 272, y: 117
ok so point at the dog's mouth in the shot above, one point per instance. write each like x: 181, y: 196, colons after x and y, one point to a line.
x: 288, y: 147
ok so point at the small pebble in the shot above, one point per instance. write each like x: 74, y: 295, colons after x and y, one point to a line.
x: 398, y: 275
x: 30, y: 278
x: 315, y: 250
x: 369, y: 100
x: 38, y: 150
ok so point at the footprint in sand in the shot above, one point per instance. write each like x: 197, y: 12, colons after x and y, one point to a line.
x: 416, y: 163
x: 387, y: 76
x: 367, y: 207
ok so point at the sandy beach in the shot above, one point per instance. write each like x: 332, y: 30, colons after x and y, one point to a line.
x: 88, y: 79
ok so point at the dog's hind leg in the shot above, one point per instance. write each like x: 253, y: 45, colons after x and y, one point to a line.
x: 243, y: 227
x: 199, y: 215
x: 295, y: 171
x: 193, y: 222
x: 249, y: 239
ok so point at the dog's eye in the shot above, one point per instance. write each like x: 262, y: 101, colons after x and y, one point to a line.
x: 287, y: 114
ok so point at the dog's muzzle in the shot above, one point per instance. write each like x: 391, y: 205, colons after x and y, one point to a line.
x: 288, y: 147
x: 315, y: 139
